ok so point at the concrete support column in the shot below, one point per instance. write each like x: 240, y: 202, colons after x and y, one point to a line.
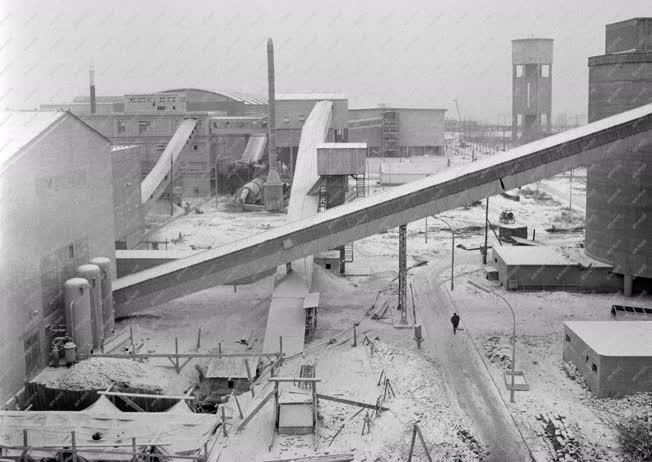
x: 402, y: 272
x: 335, y: 195
x: 627, y: 284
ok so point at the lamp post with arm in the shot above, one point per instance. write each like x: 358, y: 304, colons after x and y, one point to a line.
x: 485, y: 289
x: 452, y: 250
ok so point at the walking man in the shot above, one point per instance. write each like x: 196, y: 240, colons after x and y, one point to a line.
x: 455, y: 320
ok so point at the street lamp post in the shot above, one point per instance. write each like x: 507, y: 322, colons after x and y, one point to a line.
x: 484, y: 289
x: 452, y: 250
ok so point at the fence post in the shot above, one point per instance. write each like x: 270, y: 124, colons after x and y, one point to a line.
x: 74, y: 446
x: 414, y: 436
x: 355, y: 335
x: 198, y: 338
x: 176, y: 354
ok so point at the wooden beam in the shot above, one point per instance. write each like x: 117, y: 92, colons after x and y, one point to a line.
x: 255, y: 411
x: 294, y: 379
x: 346, y: 457
x: 145, y: 395
x: 350, y: 402
x: 131, y: 404
x: 185, y: 355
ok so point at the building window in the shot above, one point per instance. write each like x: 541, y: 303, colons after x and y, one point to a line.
x: 71, y: 251
x: 567, y: 338
x: 195, y: 147
x: 519, y: 70
x: 230, y: 384
x: 143, y: 125
x: 122, y: 126
x: 160, y: 108
x: 545, y: 70
x: 594, y: 368
x: 586, y: 359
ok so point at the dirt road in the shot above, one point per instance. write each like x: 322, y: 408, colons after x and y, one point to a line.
x: 465, y: 373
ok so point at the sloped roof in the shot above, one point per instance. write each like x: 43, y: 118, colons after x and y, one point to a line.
x: 242, y: 97
x: 19, y: 128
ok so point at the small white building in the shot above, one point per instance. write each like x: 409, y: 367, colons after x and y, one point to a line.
x: 614, y: 357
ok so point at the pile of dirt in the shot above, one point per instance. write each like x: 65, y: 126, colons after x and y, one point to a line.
x: 100, y: 373
x: 574, y: 374
x: 498, y: 350
x: 568, y: 219
x: 539, y: 196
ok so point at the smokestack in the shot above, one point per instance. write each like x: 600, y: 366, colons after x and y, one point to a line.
x: 91, y: 78
x: 273, y: 193
x: 271, y: 96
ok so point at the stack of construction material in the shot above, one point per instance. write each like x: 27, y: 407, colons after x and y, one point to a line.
x: 565, y: 446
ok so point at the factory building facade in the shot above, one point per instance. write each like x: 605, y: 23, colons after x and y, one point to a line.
x: 618, y: 200
x: 150, y: 120
x: 57, y: 194
x: 398, y: 132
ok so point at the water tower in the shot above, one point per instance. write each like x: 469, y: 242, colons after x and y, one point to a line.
x: 531, y: 88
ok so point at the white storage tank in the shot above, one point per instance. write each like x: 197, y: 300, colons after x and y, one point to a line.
x: 92, y: 274
x: 108, y: 314
x: 77, y: 299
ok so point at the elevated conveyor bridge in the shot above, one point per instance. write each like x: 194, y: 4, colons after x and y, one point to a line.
x: 388, y: 209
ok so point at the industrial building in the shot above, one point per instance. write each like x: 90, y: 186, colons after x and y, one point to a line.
x: 531, y: 88
x: 618, y: 200
x: 398, y: 132
x: 551, y: 268
x: 614, y: 357
x: 58, y: 214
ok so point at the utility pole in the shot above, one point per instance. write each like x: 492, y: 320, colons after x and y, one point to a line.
x: 402, y: 272
x: 171, y: 187
x: 570, y: 192
x: 486, y: 230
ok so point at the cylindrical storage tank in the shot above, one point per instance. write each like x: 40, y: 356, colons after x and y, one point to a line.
x: 93, y: 275
x: 108, y: 315
x: 77, y: 299
x: 618, y: 199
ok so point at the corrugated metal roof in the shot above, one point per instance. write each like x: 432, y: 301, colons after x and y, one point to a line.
x: 310, y: 96
x: 19, y: 128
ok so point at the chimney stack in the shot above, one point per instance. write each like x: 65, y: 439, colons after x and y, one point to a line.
x: 273, y: 193
x: 91, y: 77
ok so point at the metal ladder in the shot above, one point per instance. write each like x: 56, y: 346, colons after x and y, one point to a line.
x: 348, y: 252
x: 359, y: 186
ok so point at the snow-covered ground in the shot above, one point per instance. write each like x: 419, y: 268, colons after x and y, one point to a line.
x: 423, y: 393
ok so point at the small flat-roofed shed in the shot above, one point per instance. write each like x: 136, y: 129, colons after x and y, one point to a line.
x: 615, y: 357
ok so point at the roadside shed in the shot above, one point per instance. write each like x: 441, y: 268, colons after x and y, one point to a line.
x: 614, y: 357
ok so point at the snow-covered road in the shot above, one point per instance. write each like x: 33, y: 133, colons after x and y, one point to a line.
x: 463, y: 367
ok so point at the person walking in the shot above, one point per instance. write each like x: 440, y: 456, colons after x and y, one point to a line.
x: 455, y: 320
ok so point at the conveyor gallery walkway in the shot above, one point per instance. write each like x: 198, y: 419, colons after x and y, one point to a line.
x: 388, y: 209
x: 158, y: 178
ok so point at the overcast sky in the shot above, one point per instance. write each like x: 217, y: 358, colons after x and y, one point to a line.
x: 404, y: 53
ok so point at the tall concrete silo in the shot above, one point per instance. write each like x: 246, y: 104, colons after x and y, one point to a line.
x: 619, y: 190
x: 531, y: 88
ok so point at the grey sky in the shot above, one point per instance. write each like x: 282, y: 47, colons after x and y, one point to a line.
x: 410, y: 53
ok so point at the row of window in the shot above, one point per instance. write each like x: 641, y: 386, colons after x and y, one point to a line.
x: 545, y: 70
